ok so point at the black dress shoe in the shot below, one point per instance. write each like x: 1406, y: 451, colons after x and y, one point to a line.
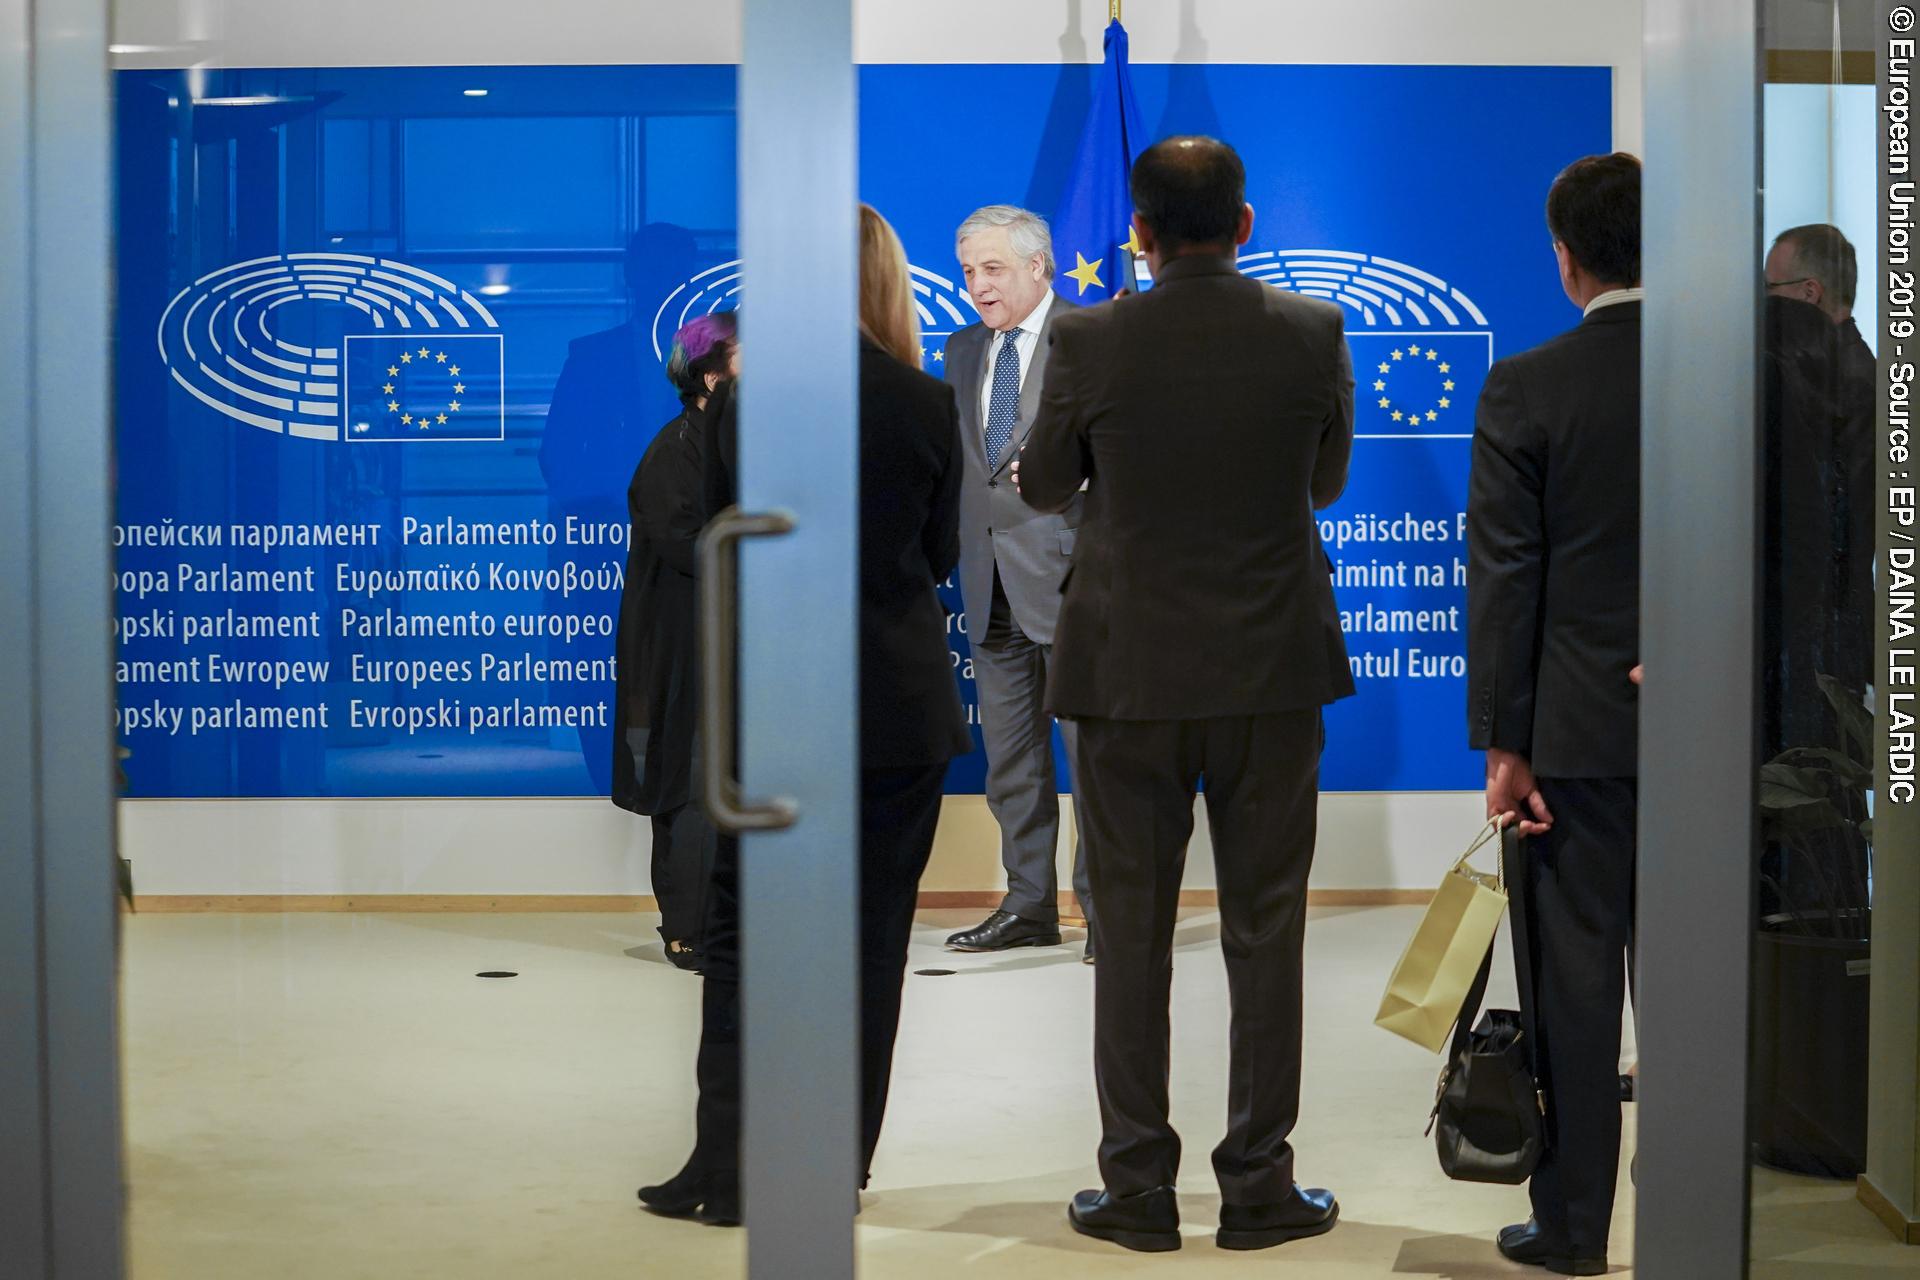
x: 696, y: 1193
x: 1307, y: 1212
x: 1528, y: 1245
x: 1086, y: 957
x: 1004, y: 930
x: 1148, y: 1222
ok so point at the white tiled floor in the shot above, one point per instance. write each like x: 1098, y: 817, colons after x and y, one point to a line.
x: 335, y: 1097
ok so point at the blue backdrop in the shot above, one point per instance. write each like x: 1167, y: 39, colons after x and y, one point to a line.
x: 389, y: 350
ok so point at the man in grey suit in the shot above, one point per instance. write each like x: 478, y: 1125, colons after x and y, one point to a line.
x: 1012, y: 563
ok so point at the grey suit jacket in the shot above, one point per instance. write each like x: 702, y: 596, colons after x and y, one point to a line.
x: 1032, y: 550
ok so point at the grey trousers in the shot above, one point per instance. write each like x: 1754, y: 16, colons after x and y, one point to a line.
x: 1010, y: 671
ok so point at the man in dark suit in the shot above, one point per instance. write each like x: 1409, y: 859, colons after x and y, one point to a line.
x: 1816, y: 263
x: 1553, y: 617
x: 1012, y: 562
x: 1198, y: 639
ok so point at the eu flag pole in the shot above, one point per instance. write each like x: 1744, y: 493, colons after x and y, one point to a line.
x: 1093, y: 230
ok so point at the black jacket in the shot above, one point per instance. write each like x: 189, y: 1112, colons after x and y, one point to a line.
x: 1212, y: 416
x: 910, y: 471
x: 1553, y: 543
x: 657, y: 646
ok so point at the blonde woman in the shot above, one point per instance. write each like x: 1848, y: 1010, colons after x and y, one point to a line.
x: 911, y: 722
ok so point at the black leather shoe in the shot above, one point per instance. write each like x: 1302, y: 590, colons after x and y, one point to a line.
x: 713, y: 1198
x: 1148, y: 1222
x: 1307, y: 1212
x: 1004, y: 930
x: 1528, y: 1245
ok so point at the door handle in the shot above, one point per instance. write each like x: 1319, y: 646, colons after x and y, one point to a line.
x: 724, y: 797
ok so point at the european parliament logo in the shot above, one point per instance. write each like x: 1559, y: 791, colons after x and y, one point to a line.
x: 227, y: 342
x: 1421, y: 347
x: 943, y: 306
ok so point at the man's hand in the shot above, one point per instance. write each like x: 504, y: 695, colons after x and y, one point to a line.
x: 1510, y: 786
x: 1013, y: 471
x: 1639, y: 673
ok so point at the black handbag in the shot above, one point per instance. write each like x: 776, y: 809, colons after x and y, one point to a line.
x: 1489, y: 1115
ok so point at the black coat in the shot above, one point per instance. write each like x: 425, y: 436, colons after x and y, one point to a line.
x: 1213, y: 415
x: 657, y: 647
x: 910, y: 473
x: 1553, y: 545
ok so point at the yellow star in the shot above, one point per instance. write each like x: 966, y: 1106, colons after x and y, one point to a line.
x: 393, y: 406
x: 454, y: 369
x: 1385, y: 403
x: 441, y: 356
x: 407, y: 418
x: 1397, y: 353
x: 1413, y: 351
x: 1432, y: 354
x: 1133, y: 240
x: 1431, y: 415
x: 1087, y: 273
x: 387, y: 390
x: 1446, y: 368
x: 939, y: 357
x: 393, y: 371
x: 1379, y: 384
x: 406, y: 357
x: 423, y: 353
x: 459, y: 388
x: 1448, y: 384
x: 422, y: 424
x: 1445, y: 403
x: 454, y: 405
x: 441, y: 416
x: 1397, y: 415
x: 1383, y: 366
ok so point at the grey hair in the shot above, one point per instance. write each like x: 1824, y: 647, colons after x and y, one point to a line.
x: 1027, y: 231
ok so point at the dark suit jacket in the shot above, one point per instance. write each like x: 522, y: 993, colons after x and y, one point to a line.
x: 1213, y: 415
x: 1553, y: 543
x: 910, y: 468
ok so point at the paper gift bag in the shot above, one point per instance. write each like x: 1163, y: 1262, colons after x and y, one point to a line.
x: 1431, y: 981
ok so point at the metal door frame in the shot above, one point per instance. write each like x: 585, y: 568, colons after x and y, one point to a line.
x: 1700, y: 474
x: 61, y: 1181
x: 799, y: 456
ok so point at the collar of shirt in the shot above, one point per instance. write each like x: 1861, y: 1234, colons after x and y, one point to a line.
x: 1026, y: 344
x: 1614, y: 297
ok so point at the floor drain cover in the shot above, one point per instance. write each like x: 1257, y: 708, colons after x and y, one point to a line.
x: 497, y: 973
x: 933, y: 973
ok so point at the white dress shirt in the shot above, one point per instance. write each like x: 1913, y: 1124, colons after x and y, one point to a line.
x: 1613, y: 297
x: 1026, y: 344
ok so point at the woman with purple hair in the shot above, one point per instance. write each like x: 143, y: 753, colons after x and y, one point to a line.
x: 657, y: 702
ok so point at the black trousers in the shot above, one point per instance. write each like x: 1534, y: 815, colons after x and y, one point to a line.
x: 1580, y: 887
x: 1137, y: 785
x: 899, y: 809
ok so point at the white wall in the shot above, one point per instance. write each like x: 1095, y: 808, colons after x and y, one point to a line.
x: 584, y: 846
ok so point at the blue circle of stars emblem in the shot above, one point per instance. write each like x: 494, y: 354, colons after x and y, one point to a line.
x: 413, y: 365
x: 1425, y: 377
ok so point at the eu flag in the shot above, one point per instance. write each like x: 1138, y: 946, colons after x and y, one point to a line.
x: 1093, y: 230
x: 424, y: 386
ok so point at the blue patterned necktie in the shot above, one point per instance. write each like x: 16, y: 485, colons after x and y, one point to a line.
x: 1003, y: 409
